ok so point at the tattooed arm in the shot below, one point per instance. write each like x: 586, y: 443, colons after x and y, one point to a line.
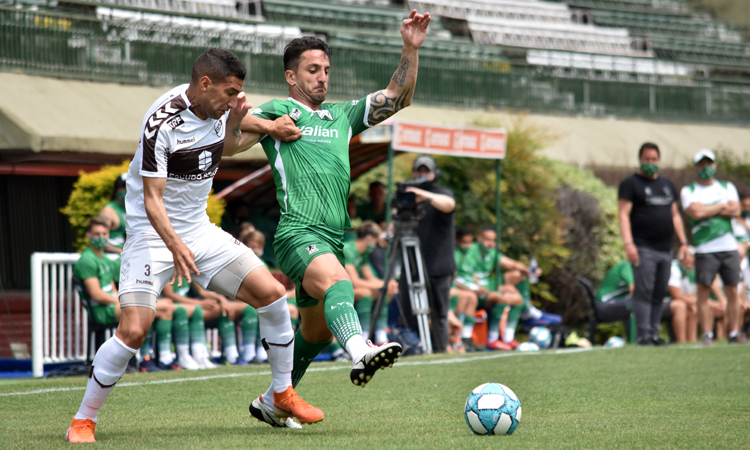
x: 235, y: 140
x: 400, y: 91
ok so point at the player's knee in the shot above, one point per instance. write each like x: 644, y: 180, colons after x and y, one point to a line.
x: 132, y: 334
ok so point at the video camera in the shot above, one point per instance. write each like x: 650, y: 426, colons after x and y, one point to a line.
x: 406, y: 202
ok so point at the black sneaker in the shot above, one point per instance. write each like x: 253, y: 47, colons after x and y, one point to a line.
x: 738, y: 338
x: 645, y: 342
x: 149, y: 365
x: 172, y: 366
x: 658, y: 342
x: 378, y: 357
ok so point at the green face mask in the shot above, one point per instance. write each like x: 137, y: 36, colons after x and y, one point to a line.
x: 121, y: 195
x: 745, y: 214
x: 370, y: 247
x: 485, y: 249
x: 649, y: 169
x: 706, y: 173
x: 98, y: 243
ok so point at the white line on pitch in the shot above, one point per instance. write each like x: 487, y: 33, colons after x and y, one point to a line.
x: 313, y: 369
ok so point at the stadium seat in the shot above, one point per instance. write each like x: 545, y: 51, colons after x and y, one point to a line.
x: 97, y: 330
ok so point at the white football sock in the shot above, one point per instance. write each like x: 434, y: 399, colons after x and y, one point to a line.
x: 183, y: 350
x: 357, y: 347
x: 531, y: 313
x: 492, y: 336
x: 467, y: 331
x: 199, y: 351
x: 231, y: 354
x: 107, y: 367
x: 276, y: 330
x: 381, y: 336
x: 166, y: 357
x: 510, y: 334
x: 248, y: 353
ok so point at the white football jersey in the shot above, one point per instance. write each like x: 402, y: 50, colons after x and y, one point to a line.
x: 175, y: 144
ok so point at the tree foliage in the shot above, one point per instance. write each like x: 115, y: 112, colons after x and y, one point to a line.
x: 91, y: 192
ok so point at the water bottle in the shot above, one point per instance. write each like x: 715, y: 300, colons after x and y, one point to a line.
x: 533, y: 271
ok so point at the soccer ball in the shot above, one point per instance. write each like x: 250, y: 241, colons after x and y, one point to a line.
x: 492, y: 409
x: 614, y: 342
x: 528, y: 347
x: 541, y: 336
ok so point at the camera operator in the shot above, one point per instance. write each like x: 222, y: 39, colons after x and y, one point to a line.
x: 437, y: 238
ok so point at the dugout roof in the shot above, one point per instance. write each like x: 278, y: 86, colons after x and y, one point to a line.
x: 66, y: 125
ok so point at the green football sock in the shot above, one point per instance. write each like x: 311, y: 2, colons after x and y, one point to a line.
x: 364, y: 313
x: 147, y: 343
x: 525, y: 291
x: 197, y: 327
x: 453, y: 303
x: 341, y: 317
x: 514, y: 316
x: 304, y: 353
x: 249, y: 326
x: 181, y: 327
x: 163, y: 329
x: 226, y: 331
x: 468, y: 319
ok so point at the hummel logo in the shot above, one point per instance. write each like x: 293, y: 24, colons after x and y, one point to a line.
x: 324, y: 114
x: 311, y: 249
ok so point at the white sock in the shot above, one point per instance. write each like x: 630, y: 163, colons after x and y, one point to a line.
x: 231, y: 353
x: 467, y: 331
x: 381, y: 337
x: 276, y: 329
x: 357, y: 347
x: 268, y: 397
x: 733, y: 334
x: 492, y: 336
x: 108, y: 366
x: 248, y: 353
x: 510, y: 334
x: 261, y: 353
x: 532, y: 313
x: 199, y: 351
x: 182, y: 351
x: 165, y: 357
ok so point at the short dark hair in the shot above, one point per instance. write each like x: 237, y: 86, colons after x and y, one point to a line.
x: 294, y: 50
x: 376, y: 184
x: 649, y: 146
x: 488, y: 228
x: 120, y: 182
x: 463, y: 231
x: 368, y: 228
x: 97, y: 221
x: 218, y: 65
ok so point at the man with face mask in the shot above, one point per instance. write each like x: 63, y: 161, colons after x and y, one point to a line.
x: 649, y: 218
x: 710, y: 205
x: 114, y: 210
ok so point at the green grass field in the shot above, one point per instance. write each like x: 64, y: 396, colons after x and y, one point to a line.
x: 629, y: 398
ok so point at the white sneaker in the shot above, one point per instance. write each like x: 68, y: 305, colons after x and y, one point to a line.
x: 265, y: 414
x: 188, y: 363
x: 378, y: 357
x: 205, y: 362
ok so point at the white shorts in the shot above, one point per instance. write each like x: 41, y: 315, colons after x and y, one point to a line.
x: 147, y: 264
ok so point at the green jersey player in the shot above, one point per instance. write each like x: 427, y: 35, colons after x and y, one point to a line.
x: 312, y: 178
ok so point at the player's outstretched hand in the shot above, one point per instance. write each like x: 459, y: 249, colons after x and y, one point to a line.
x: 238, y: 111
x: 184, y: 263
x: 414, y: 28
x: 284, y: 129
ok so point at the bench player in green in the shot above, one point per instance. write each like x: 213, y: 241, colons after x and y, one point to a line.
x: 312, y: 177
x: 114, y: 210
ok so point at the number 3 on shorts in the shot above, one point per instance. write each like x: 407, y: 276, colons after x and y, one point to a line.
x: 148, y: 270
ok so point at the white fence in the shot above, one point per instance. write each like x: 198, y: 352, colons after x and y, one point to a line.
x: 59, y: 324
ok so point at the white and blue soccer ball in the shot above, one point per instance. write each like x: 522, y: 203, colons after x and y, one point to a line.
x: 541, y: 336
x: 614, y: 342
x: 528, y: 347
x: 492, y: 409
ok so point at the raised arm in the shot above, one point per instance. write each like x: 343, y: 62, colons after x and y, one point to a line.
x: 400, y: 91
x: 236, y: 141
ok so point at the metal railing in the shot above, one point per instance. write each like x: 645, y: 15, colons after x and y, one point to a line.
x: 57, y: 44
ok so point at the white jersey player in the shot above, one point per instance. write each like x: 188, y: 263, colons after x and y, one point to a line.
x: 183, y: 138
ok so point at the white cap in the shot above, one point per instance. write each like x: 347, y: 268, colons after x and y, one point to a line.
x: 704, y: 153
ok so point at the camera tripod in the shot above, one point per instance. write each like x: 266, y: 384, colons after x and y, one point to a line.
x: 406, y: 242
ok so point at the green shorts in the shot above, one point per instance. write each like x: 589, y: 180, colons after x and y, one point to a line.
x: 295, y: 250
x: 104, y: 314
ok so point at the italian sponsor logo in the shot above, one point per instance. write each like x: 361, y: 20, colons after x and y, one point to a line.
x: 295, y: 114
x: 319, y: 131
x: 176, y: 122
x: 185, y: 141
x: 311, y: 249
x: 194, y: 177
x: 205, y: 159
x: 218, y: 128
x: 150, y: 283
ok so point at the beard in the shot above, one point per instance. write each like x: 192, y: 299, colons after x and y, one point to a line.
x: 318, y: 97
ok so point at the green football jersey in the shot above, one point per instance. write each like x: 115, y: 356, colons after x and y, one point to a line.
x: 312, y: 174
x: 117, y: 236
x: 477, y: 269
x: 91, y: 266
x: 616, y: 283
x: 353, y: 257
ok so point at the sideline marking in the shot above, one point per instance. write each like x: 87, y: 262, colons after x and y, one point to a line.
x: 314, y: 369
